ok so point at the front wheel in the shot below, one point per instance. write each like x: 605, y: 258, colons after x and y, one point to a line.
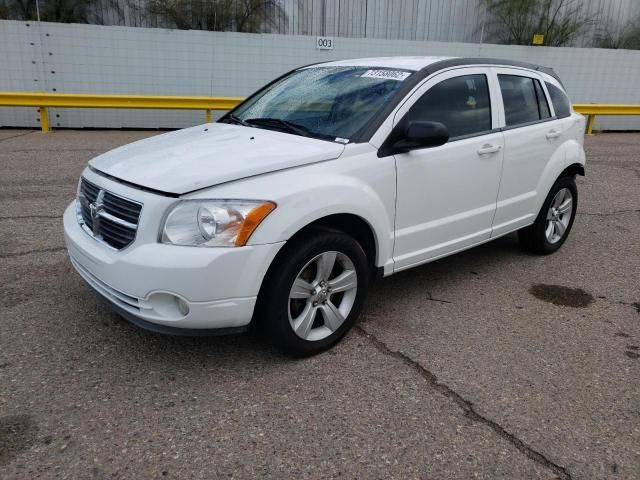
x: 314, y: 292
x: 555, y: 219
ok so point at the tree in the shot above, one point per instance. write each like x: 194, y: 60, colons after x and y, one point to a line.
x: 251, y: 16
x: 64, y: 11
x: 627, y: 36
x: 18, y: 10
x: 514, y: 22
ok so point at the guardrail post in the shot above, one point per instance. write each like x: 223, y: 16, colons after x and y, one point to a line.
x: 44, y: 119
x: 207, y: 116
x: 591, y: 120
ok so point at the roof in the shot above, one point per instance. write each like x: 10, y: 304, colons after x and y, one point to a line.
x: 432, y: 64
x: 406, y: 63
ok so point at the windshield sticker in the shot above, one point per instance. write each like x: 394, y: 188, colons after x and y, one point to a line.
x: 398, y: 75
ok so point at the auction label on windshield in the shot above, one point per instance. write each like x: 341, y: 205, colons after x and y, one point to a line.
x: 398, y: 75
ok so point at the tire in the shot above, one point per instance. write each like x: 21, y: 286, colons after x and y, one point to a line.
x: 304, y: 325
x: 552, y: 226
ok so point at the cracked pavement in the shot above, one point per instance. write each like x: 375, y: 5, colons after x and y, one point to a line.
x: 489, y: 364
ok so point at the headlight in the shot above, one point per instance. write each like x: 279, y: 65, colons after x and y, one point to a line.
x: 214, y: 223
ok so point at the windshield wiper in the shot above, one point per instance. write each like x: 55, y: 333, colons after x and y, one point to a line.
x: 231, y: 118
x: 282, y: 125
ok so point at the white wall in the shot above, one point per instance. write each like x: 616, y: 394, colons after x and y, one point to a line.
x: 97, y: 59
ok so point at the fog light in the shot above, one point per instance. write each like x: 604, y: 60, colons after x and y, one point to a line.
x: 168, y: 306
x: 182, y: 306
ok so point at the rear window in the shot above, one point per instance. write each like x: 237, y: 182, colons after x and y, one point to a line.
x: 524, y: 100
x: 561, y: 103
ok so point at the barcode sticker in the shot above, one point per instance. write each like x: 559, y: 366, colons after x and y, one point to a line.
x: 398, y: 75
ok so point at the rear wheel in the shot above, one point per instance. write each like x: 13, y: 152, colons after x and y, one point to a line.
x: 314, y: 292
x: 555, y: 219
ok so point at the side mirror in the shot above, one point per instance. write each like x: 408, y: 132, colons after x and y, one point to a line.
x: 415, y: 135
x: 426, y: 134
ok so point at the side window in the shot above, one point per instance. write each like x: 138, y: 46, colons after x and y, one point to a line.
x: 520, y: 100
x: 460, y: 103
x: 561, y: 103
x: 543, y: 106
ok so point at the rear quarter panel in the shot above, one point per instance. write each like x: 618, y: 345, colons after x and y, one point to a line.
x: 572, y: 152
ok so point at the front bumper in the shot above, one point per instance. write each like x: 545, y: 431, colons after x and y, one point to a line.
x: 166, y: 287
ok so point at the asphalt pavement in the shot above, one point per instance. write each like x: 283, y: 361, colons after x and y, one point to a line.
x: 493, y: 363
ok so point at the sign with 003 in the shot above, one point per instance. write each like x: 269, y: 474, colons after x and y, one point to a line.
x: 324, y: 43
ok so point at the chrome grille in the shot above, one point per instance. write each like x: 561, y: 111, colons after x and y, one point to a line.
x: 106, y: 216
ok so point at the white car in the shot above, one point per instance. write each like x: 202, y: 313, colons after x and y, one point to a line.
x: 281, y: 213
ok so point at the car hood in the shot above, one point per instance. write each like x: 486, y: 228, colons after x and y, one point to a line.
x: 198, y: 157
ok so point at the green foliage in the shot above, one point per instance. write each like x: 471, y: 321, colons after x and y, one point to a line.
x: 66, y: 11
x: 514, y: 22
x: 225, y: 15
x: 18, y: 10
x: 63, y: 11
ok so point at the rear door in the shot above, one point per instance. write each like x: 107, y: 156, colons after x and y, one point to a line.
x: 531, y: 137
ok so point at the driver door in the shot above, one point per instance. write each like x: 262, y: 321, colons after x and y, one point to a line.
x: 446, y: 195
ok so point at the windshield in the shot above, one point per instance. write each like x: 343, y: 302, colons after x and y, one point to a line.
x: 332, y: 103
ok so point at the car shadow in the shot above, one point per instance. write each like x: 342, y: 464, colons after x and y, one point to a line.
x: 184, y: 351
x: 451, y: 269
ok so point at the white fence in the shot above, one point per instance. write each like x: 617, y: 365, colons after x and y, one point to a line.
x: 97, y: 59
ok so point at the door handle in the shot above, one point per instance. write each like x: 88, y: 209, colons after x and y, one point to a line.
x: 488, y: 148
x: 553, y: 134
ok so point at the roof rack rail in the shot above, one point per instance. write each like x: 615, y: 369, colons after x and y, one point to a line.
x: 457, y: 62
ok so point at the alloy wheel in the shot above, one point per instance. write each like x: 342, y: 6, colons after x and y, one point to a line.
x: 559, y: 215
x: 322, y: 295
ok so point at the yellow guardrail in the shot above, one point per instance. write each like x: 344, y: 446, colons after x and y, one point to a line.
x: 43, y: 101
x: 591, y: 110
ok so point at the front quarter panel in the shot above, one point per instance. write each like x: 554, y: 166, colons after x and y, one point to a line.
x: 357, y: 183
